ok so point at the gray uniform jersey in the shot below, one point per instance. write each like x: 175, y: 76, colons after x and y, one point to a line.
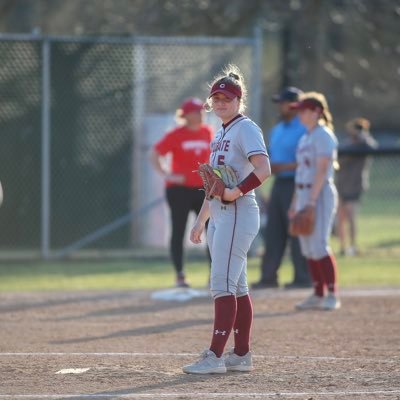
x: 233, y: 226
x: 321, y: 142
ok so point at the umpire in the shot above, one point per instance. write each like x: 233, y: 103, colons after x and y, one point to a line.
x: 282, y: 149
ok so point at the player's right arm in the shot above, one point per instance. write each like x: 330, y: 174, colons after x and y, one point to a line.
x: 322, y: 166
x: 199, y: 225
x: 155, y: 158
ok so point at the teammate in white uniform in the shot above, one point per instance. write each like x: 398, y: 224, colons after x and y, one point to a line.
x: 316, y: 157
x: 233, y: 225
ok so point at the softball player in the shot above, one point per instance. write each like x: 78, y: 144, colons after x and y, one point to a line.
x: 189, y: 144
x: 316, y: 156
x: 232, y: 226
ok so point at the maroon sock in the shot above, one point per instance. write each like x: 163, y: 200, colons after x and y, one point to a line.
x: 317, y: 277
x: 329, y: 270
x: 224, y: 317
x: 242, y: 325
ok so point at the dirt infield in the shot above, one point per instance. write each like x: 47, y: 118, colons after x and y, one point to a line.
x: 130, y: 346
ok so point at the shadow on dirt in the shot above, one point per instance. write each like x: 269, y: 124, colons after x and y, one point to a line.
x: 145, y: 330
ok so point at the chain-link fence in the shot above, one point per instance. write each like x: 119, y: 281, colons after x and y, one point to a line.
x: 77, y: 117
x: 382, y: 194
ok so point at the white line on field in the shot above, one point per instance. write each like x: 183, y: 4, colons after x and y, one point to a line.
x: 201, y: 395
x: 139, y: 354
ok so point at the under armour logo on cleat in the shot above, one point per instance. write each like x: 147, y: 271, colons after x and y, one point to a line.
x: 217, y: 332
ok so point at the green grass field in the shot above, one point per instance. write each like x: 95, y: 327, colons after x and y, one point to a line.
x: 378, y: 265
x: 130, y: 275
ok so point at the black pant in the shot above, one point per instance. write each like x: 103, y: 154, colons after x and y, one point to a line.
x: 277, y: 236
x: 181, y: 201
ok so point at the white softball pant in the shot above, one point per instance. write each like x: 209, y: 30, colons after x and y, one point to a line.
x: 316, y: 245
x: 231, y: 230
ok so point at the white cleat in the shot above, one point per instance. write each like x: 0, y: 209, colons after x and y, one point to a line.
x: 310, y: 303
x: 209, y: 363
x: 330, y: 302
x: 233, y: 362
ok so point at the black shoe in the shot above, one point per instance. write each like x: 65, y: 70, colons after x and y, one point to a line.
x: 264, y: 285
x: 298, y: 285
x: 181, y: 282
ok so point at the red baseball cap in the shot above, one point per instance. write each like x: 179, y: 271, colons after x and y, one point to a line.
x: 191, y: 105
x: 310, y: 104
x: 227, y: 88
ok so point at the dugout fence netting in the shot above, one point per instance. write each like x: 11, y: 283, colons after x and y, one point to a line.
x: 77, y: 118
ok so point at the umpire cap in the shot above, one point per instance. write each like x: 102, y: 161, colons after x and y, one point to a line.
x: 290, y: 93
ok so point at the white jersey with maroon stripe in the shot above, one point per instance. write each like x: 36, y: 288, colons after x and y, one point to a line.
x: 233, y: 226
x: 235, y: 144
x: 320, y: 142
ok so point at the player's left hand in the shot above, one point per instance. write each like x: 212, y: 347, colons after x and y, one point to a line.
x: 213, y: 184
x: 218, y: 181
x: 303, y: 223
x: 231, y: 194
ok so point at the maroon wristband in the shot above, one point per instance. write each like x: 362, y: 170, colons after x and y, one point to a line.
x: 249, y: 183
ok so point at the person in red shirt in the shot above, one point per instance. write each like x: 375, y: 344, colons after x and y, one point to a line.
x: 188, y: 145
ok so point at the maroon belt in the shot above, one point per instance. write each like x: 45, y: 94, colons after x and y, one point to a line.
x: 303, y: 185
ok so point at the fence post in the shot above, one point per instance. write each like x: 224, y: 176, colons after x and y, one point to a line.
x: 138, y: 113
x: 46, y: 175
